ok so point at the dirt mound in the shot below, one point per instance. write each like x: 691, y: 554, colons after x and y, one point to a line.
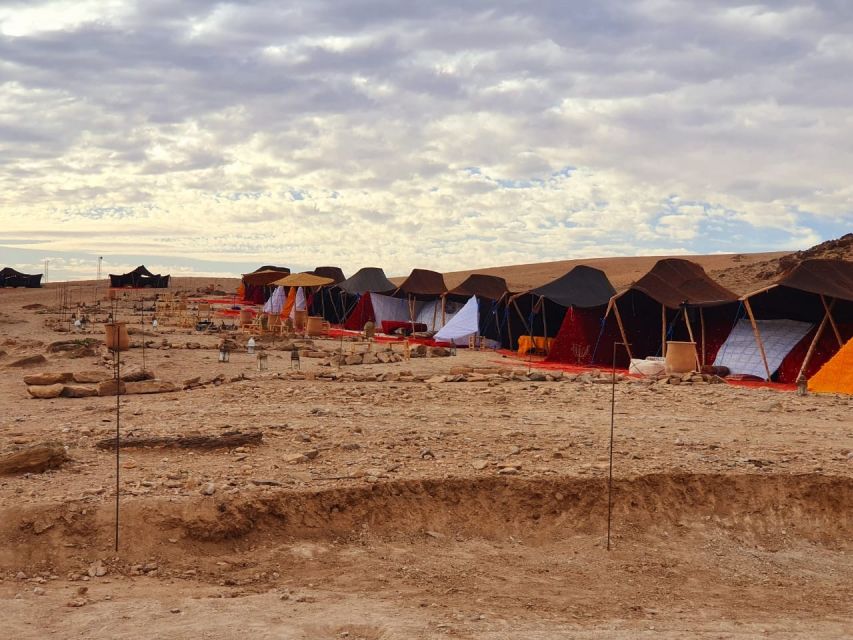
x: 761, y: 511
x: 744, y: 279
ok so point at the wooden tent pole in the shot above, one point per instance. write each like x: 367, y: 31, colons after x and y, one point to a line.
x: 663, y: 330
x: 810, y: 352
x: 523, y: 321
x: 692, y: 339
x: 622, y: 329
x: 828, y: 309
x: 702, y: 332
x: 757, y: 334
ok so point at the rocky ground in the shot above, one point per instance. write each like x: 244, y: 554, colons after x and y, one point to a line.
x: 428, y: 498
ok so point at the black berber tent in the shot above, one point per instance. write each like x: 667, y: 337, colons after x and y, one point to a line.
x: 139, y: 278
x: 540, y: 311
x: 9, y: 277
x: 675, y: 300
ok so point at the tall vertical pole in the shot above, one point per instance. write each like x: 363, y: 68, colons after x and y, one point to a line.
x: 612, y: 423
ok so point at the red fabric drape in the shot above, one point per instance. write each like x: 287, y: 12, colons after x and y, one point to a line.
x: 361, y: 314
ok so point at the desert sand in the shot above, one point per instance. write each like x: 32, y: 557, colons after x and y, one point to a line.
x: 414, y: 507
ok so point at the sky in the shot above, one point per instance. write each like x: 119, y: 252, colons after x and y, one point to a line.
x: 213, y: 137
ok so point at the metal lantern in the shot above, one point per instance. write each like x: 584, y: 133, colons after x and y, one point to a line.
x: 224, y: 353
x: 263, y: 361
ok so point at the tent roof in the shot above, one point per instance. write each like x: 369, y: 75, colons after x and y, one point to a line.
x: 269, y: 267
x: 306, y: 279
x: 581, y: 287
x: 833, y: 278
x: 139, y: 271
x: 674, y: 282
x: 335, y: 273
x: 263, y: 277
x: 368, y: 279
x: 479, y: 284
x: 423, y: 282
x: 9, y: 271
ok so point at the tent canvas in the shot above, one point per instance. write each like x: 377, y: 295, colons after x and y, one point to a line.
x: 10, y: 277
x: 257, y: 286
x: 836, y: 375
x: 367, y: 280
x: 464, y: 324
x: 428, y: 312
x: 139, y: 278
x: 740, y: 352
x: 276, y: 302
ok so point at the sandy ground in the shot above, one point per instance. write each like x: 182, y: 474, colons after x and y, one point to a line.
x: 463, y: 510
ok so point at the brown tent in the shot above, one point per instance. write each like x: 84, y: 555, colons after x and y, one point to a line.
x: 675, y: 300
x: 257, y: 286
x: 814, y: 291
x: 422, y: 284
x: 335, y: 273
x: 481, y: 285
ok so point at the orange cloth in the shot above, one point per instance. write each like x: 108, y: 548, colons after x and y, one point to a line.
x: 288, y: 304
x: 836, y: 376
x: 540, y: 343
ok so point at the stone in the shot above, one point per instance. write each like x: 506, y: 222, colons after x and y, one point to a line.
x: 436, y: 379
x: 537, y: 376
x: 295, y: 458
x: 508, y: 471
x: 137, y: 374
x: 151, y: 386
x: 427, y: 454
x: 353, y: 359
x: 79, y: 391
x: 89, y: 377
x: 39, y: 591
x: 439, y: 352
x: 369, y: 358
x: 310, y: 454
x: 45, y: 392
x: 454, y: 371
x: 46, y: 378
x: 29, y: 361
x: 108, y: 388
x: 97, y: 569
x: 208, y: 489
x: 479, y: 465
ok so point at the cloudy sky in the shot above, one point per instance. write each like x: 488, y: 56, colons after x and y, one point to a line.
x: 213, y: 137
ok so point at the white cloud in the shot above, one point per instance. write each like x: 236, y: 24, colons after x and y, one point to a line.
x: 388, y: 133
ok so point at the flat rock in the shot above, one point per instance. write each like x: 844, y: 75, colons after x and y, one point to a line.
x: 108, y: 388
x: 151, y: 386
x: 88, y: 377
x: 29, y: 361
x: 45, y: 391
x: 46, y: 378
x: 79, y: 391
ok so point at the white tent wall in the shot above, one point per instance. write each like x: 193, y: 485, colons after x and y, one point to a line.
x: 276, y: 301
x: 427, y: 312
x: 463, y: 324
x: 740, y: 352
x: 300, y: 304
x: 388, y: 308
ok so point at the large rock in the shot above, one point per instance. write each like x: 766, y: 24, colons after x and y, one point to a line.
x: 29, y: 361
x: 79, y: 391
x: 89, y: 377
x: 353, y: 359
x: 108, y: 388
x: 137, y: 374
x: 369, y: 358
x: 47, y: 378
x: 45, y: 391
x: 151, y: 386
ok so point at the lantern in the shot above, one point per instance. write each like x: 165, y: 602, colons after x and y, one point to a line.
x: 224, y: 353
x: 263, y: 361
x: 250, y: 346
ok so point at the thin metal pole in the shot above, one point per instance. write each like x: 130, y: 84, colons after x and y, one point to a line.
x: 118, y: 424
x: 142, y: 327
x: 612, y: 423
